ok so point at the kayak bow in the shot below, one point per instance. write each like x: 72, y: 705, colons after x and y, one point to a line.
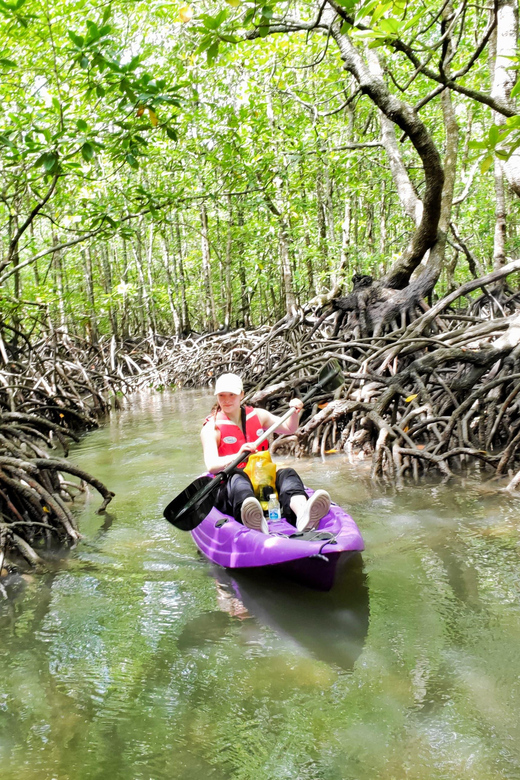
x: 230, y: 544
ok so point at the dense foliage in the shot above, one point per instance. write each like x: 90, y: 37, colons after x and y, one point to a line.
x: 167, y: 169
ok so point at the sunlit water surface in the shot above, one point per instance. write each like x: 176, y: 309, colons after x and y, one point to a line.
x: 134, y: 658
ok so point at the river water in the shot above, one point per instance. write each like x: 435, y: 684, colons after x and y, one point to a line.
x: 134, y: 659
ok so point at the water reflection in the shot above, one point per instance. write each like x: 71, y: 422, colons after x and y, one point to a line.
x: 331, y: 626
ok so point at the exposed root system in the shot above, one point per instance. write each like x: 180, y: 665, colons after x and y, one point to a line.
x: 433, y: 390
x: 437, y: 390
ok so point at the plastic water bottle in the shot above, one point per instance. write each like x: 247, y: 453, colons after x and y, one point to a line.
x: 273, y: 508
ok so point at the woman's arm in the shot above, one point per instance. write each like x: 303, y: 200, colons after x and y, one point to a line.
x: 215, y: 462
x: 289, y: 426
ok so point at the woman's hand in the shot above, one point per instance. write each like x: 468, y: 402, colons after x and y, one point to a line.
x: 296, y: 403
x: 249, y: 446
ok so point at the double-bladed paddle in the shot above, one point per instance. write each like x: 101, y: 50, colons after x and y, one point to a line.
x: 191, y: 506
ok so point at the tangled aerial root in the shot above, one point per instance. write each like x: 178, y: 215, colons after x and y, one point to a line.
x: 436, y: 392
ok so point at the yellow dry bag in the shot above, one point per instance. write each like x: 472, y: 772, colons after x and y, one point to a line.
x: 262, y: 472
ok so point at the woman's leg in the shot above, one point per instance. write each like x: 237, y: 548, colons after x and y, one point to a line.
x: 296, y: 508
x: 233, y: 494
x: 289, y: 486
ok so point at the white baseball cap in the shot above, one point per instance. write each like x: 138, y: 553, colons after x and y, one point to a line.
x: 229, y: 383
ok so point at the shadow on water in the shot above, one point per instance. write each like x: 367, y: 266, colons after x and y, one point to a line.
x: 331, y: 626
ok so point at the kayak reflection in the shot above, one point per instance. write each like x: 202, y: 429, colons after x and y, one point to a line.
x: 331, y: 626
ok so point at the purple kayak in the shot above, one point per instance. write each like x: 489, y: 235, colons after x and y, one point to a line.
x: 314, y: 563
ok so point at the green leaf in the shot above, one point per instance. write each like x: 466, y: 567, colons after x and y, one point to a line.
x: 81, y: 125
x: 78, y: 40
x: 132, y: 162
x: 212, y: 52
x: 477, y: 145
x: 249, y: 15
x: 92, y: 28
x: 49, y: 161
x: 413, y: 21
x: 126, y: 89
x: 171, y: 133
x: 267, y: 11
x: 5, y: 63
x: 493, y: 136
x: 84, y: 62
x: 390, y: 26
x: 205, y: 44
x: 516, y: 89
x: 380, y: 11
x: 4, y: 141
x: 513, y: 121
x: 87, y: 152
x: 345, y: 28
x: 214, y: 22
x: 221, y: 17
x: 348, y: 5
x: 486, y: 163
x: 134, y: 62
x: 376, y: 44
x: 100, y: 91
x: 263, y: 31
x: 366, y: 9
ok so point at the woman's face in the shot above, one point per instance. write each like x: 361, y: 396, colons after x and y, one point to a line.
x: 229, y: 402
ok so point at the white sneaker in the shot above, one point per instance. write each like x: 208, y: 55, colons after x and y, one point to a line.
x: 253, y: 515
x: 316, y: 507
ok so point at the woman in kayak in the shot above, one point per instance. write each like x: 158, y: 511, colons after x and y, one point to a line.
x: 232, y: 429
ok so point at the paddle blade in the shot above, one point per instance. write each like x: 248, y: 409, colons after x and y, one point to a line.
x: 331, y: 375
x: 191, y: 506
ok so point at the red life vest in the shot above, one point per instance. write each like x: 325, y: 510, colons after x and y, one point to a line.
x: 231, y: 436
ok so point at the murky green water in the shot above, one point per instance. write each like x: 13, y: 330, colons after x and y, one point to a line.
x: 135, y: 660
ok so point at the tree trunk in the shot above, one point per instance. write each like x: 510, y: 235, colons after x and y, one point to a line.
x: 89, y: 279
x: 405, y: 117
x: 124, y: 308
x: 244, y: 292
x: 185, y: 312
x: 171, y: 287
x: 502, y: 83
x: 107, y: 273
x: 504, y: 76
x: 60, y: 287
x: 279, y: 210
x: 228, y: 299
x: 210, y: 316
x: 406, y: 192
x: 143, y: 292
